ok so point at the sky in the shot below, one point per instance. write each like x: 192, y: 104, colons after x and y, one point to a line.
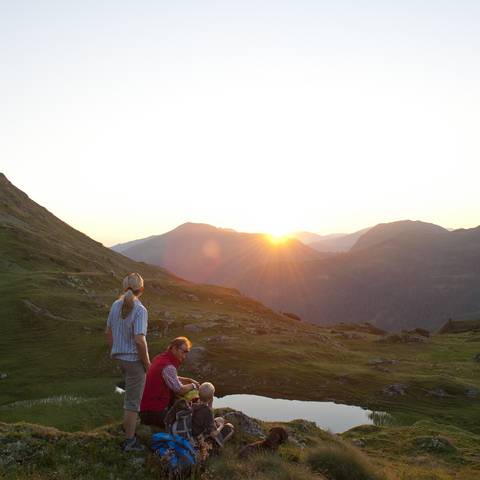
x: 126, y: 119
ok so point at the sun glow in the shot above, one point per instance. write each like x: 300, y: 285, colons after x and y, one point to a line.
x: 276, y: 239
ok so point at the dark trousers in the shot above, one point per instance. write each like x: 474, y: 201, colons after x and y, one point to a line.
x: 154, y: 418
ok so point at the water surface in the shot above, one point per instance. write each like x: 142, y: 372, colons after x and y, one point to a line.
x: 335, y: 417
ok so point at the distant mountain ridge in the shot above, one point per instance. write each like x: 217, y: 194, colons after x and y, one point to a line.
x: 338, y: 243
x: 207, y: 254
x: 397, y: 275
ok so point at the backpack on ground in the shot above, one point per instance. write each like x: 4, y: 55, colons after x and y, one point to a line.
x: 177, y: 454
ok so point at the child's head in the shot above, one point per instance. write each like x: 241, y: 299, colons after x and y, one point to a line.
x: 206, y: 392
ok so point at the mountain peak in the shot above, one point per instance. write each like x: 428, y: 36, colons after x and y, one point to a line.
x: 403, y: 228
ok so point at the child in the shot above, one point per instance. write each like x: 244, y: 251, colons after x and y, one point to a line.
x: 203, y: 422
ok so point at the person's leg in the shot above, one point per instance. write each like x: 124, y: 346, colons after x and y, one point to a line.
x: 156, y: 419
x: 134, y: 383
x: 129, y: 423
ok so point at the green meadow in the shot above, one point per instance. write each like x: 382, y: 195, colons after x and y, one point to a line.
x: 59, y: 374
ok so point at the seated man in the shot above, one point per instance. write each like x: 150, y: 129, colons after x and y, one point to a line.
x: 163, y: 383
x: 203, y: 422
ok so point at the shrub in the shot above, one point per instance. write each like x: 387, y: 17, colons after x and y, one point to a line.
x: 340, y: 462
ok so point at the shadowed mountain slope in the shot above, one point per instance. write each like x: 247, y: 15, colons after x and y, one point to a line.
x: 397, y: 275
x: 337, y: 243
x: 400, y: 275
x: 56, y: 287
x: 203, y: 253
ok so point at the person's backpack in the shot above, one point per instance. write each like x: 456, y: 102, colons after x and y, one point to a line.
x: 176, y: 453
x: 179, y: 420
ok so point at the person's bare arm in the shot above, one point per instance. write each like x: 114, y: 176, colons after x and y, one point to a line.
x: 186, y: 388
x: 142, y: 348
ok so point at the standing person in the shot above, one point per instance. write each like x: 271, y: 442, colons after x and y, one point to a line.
x: 126, y: 331
x: 163, y: 382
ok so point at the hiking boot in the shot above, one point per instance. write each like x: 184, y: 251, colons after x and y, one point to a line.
x: 133, y: 445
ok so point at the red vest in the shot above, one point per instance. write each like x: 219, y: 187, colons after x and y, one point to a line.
x: 156, y: 394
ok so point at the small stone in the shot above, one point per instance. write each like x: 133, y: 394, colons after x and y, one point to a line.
x: 438, y: 392
x: 359, y: 442
x: 192, y: 327
x: 471, y: 392
x: 3, y: 376
x: 395, y: 389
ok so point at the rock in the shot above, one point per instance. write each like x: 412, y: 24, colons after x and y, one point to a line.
x: 193, y: 298
x: 395, y: 389
x: 209, y: 324
x: 359, y: 442
x: 168, y: 314
x: 196, y: 354
x: 380, y: 361
x: 476, y: 358
x: 438, y: 392
x: 218, y: 339
x: 351, y: 335
x: 245, y: 423
x: 472, y: 392
x: 194, y: 328
x: 436, y: 444
x: 3, y: 376
x: 137, y: 462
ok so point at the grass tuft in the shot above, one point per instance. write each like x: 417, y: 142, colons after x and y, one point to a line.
x: 341, y: 462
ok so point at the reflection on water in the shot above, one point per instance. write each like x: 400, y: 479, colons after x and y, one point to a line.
x: 381, y: 419
x: 327, y: 415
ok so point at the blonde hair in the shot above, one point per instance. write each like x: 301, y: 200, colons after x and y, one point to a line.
x: 133, y: 286
x: 178, y: 342
x: 206, y: 391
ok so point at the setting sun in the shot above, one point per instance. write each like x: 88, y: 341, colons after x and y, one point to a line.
x: 277, y: 239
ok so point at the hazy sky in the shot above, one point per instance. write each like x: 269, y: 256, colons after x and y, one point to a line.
x: 126, y: 119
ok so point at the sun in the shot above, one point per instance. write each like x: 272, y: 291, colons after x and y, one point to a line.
x: 277, y: 239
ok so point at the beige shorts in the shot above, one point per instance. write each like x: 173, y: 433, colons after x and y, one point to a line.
x: 134, y: 374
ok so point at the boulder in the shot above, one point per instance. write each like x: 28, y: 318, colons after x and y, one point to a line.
x: 438, y: 392
x: 196, y: 354
x: 435, y: 444
x: 395, y: 389
x: 245, y: 423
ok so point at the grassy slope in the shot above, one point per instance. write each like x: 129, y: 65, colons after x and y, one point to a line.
x: 56, y: 287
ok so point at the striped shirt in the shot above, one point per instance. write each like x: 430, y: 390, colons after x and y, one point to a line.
x: 125, y: 329
x: 169, y: 374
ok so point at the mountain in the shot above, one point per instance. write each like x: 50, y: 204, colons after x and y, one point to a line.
x: 338, y: 242
x: 56, y: 285
x: 399, y: 275
x: 306, y: 237
x: 409, y: 233
x: 207, y: 254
